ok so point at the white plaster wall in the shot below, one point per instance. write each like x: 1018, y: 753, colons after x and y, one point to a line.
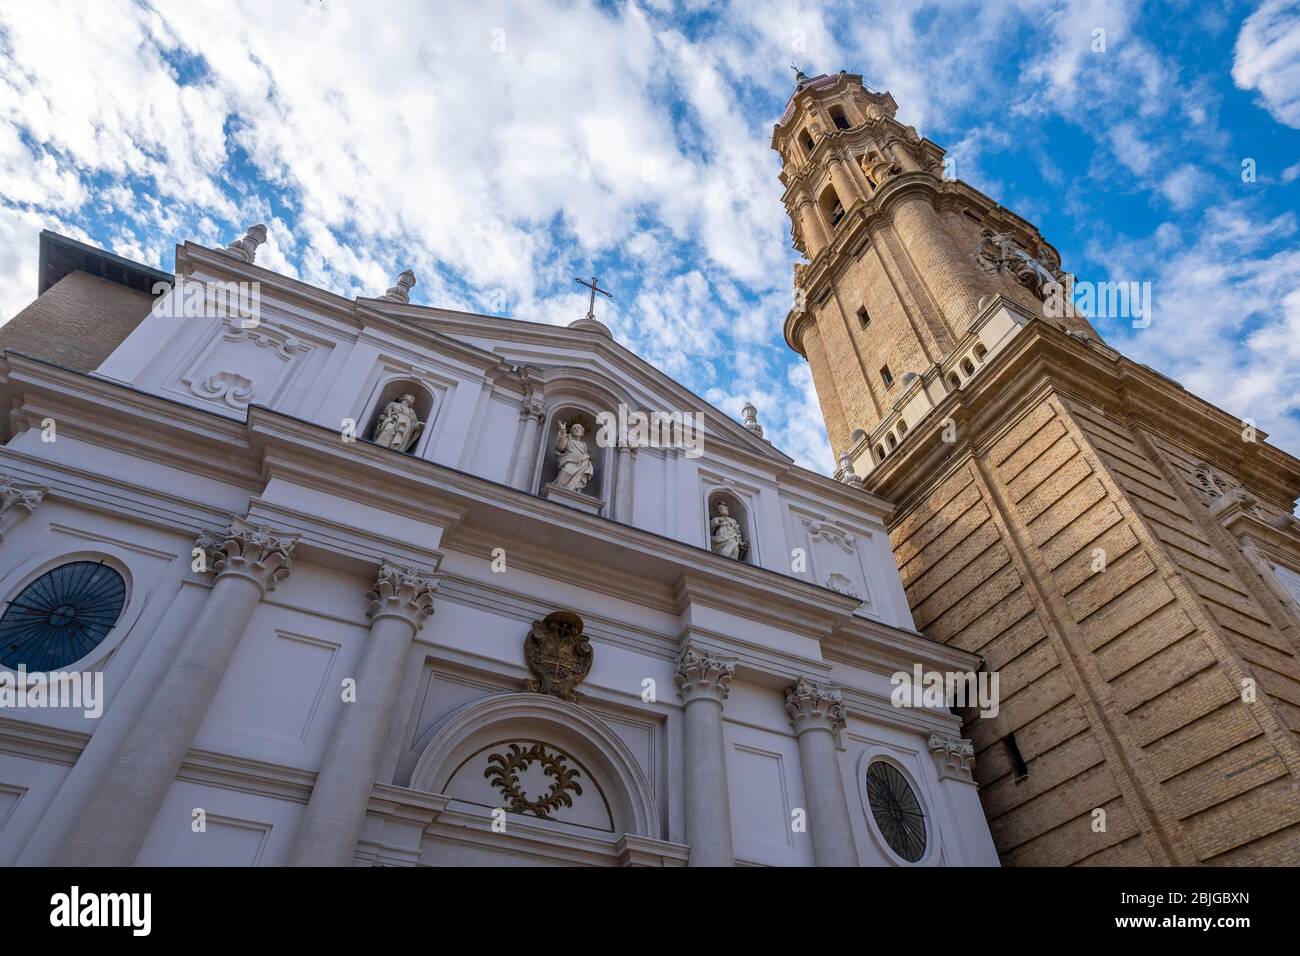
x: 238, y: 829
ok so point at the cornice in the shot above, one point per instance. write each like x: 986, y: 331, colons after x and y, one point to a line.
x: 878, y: 647
x: 880, y: 711
x: 245, y: 775
x: 1042, y: 358
x: 810, y: 610
x: 396, y: 320
x: 192, y: 257
x: 115, y: 496
x: 100, y: 411
x: 38, y: 741
x: 269, y: 444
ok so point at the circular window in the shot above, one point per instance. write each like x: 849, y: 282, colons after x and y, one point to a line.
x: 61, y: 616
x: 896, y: 810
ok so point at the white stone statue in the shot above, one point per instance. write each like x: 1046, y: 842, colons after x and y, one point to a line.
x: 571, y: 455
x: 399, y: 425
x: 724, y: 534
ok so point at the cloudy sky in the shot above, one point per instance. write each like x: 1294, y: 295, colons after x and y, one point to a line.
x: 499, y: 150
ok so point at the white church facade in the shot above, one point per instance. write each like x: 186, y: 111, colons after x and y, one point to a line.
x: 367, y: 585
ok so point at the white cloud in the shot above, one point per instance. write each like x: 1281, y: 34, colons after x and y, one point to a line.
x: 1268, y: 58
x: 501, y: 151
x: 1217, y: 326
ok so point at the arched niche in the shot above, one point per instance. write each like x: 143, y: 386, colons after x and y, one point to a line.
x: 425, y: 405
x: 572, y: 413
x: 831, y: 206
x: 737, y: 509
x: 616, y: 795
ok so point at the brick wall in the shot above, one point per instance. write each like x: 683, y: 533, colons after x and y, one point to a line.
x: 1121, y: 686
x: 77, y: 322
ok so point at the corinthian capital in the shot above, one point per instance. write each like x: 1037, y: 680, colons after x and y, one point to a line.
x: 701, y: 675
x: 405, y: 592
x: 953, y: 755
x: 251, y: 551
x: 17, y: 501
x: 813, y: 705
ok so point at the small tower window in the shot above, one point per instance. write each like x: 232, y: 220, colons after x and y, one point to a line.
x: 880, y: 453
x: 902, y: 429
x: 838, y: 117
x: 886, y: 376
x: 967, y: 367
x: 806, y: 141
x: 980, y: 353
x: 891, y: 441
x: 954, y: 381
x: 863, y: 318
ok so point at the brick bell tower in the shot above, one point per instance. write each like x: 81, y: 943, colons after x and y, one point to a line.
x: 1121, y: 552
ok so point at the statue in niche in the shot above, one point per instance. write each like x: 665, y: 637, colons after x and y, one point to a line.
x: 724, y: 534
x: 399, y: 425
x: 575, y: 466
x: 876, y: 168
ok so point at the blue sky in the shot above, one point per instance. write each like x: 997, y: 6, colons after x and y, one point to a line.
x: 500, y: 150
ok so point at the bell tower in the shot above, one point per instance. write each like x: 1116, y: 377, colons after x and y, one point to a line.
x: 1120, y: 551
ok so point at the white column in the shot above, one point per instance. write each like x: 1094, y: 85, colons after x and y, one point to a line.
x: 626, y: 476
x: 817, y: 712
x: 248, y: 562
x: 400, y: 601
x: 703, y: 681
x: 522, y: 468
x: 17, y: 501
x: 954, y: 759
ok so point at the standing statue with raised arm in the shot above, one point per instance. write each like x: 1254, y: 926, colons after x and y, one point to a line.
x: 575, y: 466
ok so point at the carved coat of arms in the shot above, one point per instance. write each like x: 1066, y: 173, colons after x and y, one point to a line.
x: 558, y: 654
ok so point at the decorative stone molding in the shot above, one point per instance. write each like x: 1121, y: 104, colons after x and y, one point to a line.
x: 954, y: 756
x: 229, y: 387
x: 847, y: 475
x: 503, y: 771
x: 700, y: 675
x: 814, y: 705
x: 250, y: 551
x: 532, y: 409
x: 245, y: 248
x: 402, y: 591
x: 1235, y: 499
x: 264, y: 336
x: 1210, y: 481
x: 17, y: 501
x: 842, y: 585
x: 824, y: 531
x: 401, y: 290
x: 559, y: 655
